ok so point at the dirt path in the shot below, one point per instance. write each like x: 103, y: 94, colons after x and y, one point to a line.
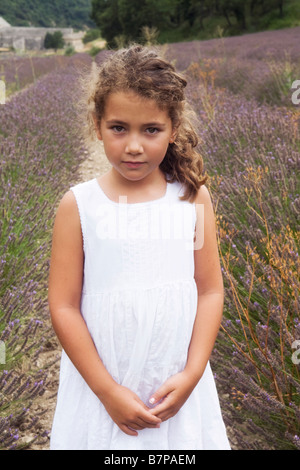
x: 95, y: 165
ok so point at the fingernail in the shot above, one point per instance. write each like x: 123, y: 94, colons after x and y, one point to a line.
x: 152, y: 400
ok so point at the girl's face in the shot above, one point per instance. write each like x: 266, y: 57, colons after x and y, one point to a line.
x: 135, y: 134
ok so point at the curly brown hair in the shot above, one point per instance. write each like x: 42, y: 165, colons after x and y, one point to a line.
x: 140, y: 69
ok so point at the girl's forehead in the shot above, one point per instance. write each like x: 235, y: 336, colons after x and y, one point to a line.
x: 130, y: 102
x: 129, y: 96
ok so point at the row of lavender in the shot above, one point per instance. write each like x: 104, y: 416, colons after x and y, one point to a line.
x: 251, y: 151
x: 261, y: 66
x: 18, y: 72
x: 39, y: 152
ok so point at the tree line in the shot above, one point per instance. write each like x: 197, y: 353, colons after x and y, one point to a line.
x: 125, y: 18
x: 47, y: 13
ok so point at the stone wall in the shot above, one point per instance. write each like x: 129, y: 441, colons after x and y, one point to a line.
x: 27, y: 38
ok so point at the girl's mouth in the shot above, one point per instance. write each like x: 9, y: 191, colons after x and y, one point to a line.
x: 133, y: 164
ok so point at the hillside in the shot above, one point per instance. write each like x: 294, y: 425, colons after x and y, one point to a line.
x: 176, y: 20
x: 48, y: 13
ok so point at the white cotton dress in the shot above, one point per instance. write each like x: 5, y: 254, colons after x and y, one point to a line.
x: 139, y: 302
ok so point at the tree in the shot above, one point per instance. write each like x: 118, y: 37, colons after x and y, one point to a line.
x: 54, y: 41
x: 125, y: 18
x: 237, y: 8
x: 106, y: 16
x: 48, y: 41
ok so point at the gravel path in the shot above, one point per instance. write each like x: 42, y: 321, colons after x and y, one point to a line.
x: 95, y: 165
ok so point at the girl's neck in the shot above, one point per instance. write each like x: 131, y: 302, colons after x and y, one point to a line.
x: 149, y: 188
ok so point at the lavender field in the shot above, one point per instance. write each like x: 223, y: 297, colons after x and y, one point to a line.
x: 248, y: 126
x: 249, y: 133
x: 18, y: 72
x: 40, y: 155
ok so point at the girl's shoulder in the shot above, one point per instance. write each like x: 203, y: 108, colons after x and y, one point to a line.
x: 83, y: 187
x: 68, y: 205
x: 203, y: 195
x: 204, y: 205
x: 175, y: 189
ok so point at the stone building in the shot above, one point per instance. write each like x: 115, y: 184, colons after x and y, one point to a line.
x: 24, y: 38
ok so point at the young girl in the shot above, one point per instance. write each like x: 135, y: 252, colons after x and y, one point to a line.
x: 135, y: 288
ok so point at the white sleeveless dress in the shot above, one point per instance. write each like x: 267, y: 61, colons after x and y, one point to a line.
x: 139, y: 301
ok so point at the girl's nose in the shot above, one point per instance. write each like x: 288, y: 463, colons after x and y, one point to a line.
x: 134, y: 146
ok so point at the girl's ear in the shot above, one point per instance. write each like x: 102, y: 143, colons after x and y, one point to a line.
x: 97, y: 128
x: 173, y: 136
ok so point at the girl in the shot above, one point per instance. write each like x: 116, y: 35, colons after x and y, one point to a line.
x: 135, y: 288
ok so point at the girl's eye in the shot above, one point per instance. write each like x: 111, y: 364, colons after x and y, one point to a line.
x: 118, y: 129
x: 152, y: 130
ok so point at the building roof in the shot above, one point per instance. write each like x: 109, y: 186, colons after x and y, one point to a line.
x: 3, y: 23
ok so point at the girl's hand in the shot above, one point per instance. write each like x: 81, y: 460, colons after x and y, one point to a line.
x: 173, y: 393
x: 128, y: 411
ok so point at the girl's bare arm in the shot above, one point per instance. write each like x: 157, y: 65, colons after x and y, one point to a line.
x: 208, y: 278
x: 65, y: 286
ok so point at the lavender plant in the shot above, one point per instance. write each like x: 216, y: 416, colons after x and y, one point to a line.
x: 40, y: 151
x: 260, y: 66
x: 252, y: 154
x: 18, y: 72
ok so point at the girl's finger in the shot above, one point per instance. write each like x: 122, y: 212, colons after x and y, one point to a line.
x: 164, y: 409
x: 149, y: 424
x: 136, y: 425
x: 160, y: 394
x: 149, y: 417
x: 128, y: 430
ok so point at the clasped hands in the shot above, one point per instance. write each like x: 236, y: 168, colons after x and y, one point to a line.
x: 130, y: 413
